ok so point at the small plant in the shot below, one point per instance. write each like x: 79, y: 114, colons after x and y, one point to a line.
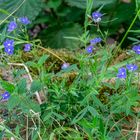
x: 45, y: 96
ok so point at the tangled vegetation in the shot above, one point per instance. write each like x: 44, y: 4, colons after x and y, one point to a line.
x: 69, y: 70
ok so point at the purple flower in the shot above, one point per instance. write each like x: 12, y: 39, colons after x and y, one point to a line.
x: 8, y: 43
x: 89, y: 49
x: 136, y: 48
x: 5, y: 95
x: 96, y: 16
x: 65, y: 66
x: 121, y: 73
x: 24, y: 20
x: 131, y: 67
x: 9, y: 50
x: 11, y: 26
x: 95, y: 40
x: 27, y: 47
x: 9, y: 46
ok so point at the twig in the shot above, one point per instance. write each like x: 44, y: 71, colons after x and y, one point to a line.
x: 27, y: 125
x: 47, y: 50
x: 115, y: 125
x: 30, y: 77
x: 137, y: 130
x: 34, y: 114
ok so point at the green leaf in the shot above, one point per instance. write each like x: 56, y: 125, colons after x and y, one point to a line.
x: 29, y: 8
x: 82, y: 3
x: 55, y: 36
x: 54, y: 4
x: 7, y: 86
x: 98, y: 3
x: 31, y: 64
x: 13, y: 101
x: 34, y: 135
x: 77, y: 3
x: 60, y: 117
x: 80, y: 115
x: 17, y: 130
x: 42, y: 60
x: 36, y: 86
x: 22, y: 86
x: 93, y: 111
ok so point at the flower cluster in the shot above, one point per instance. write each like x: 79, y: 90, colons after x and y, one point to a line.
x: 93, y: 41
x: 9, y: 46
x: 96, y: 16
x: 122, y: 73
x: 9, y: 43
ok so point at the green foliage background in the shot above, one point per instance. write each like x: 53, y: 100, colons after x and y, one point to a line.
x: 65, y: 18
x: 79, y: 103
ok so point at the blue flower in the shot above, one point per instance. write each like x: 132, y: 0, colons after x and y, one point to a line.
x: 5, y: 95
x: 11, y: 26
x: 8, y: 43
x: 65, y: 66
x: 131, y: 67
x: 9, y: 46
x: 96, y: 16
x: 9, y: 50
x: 95, y: 40
x: 27, y: 47
x: 89, y: 49
x: 136, y: 48
x: 121, y: 73
x: 24, y: 20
